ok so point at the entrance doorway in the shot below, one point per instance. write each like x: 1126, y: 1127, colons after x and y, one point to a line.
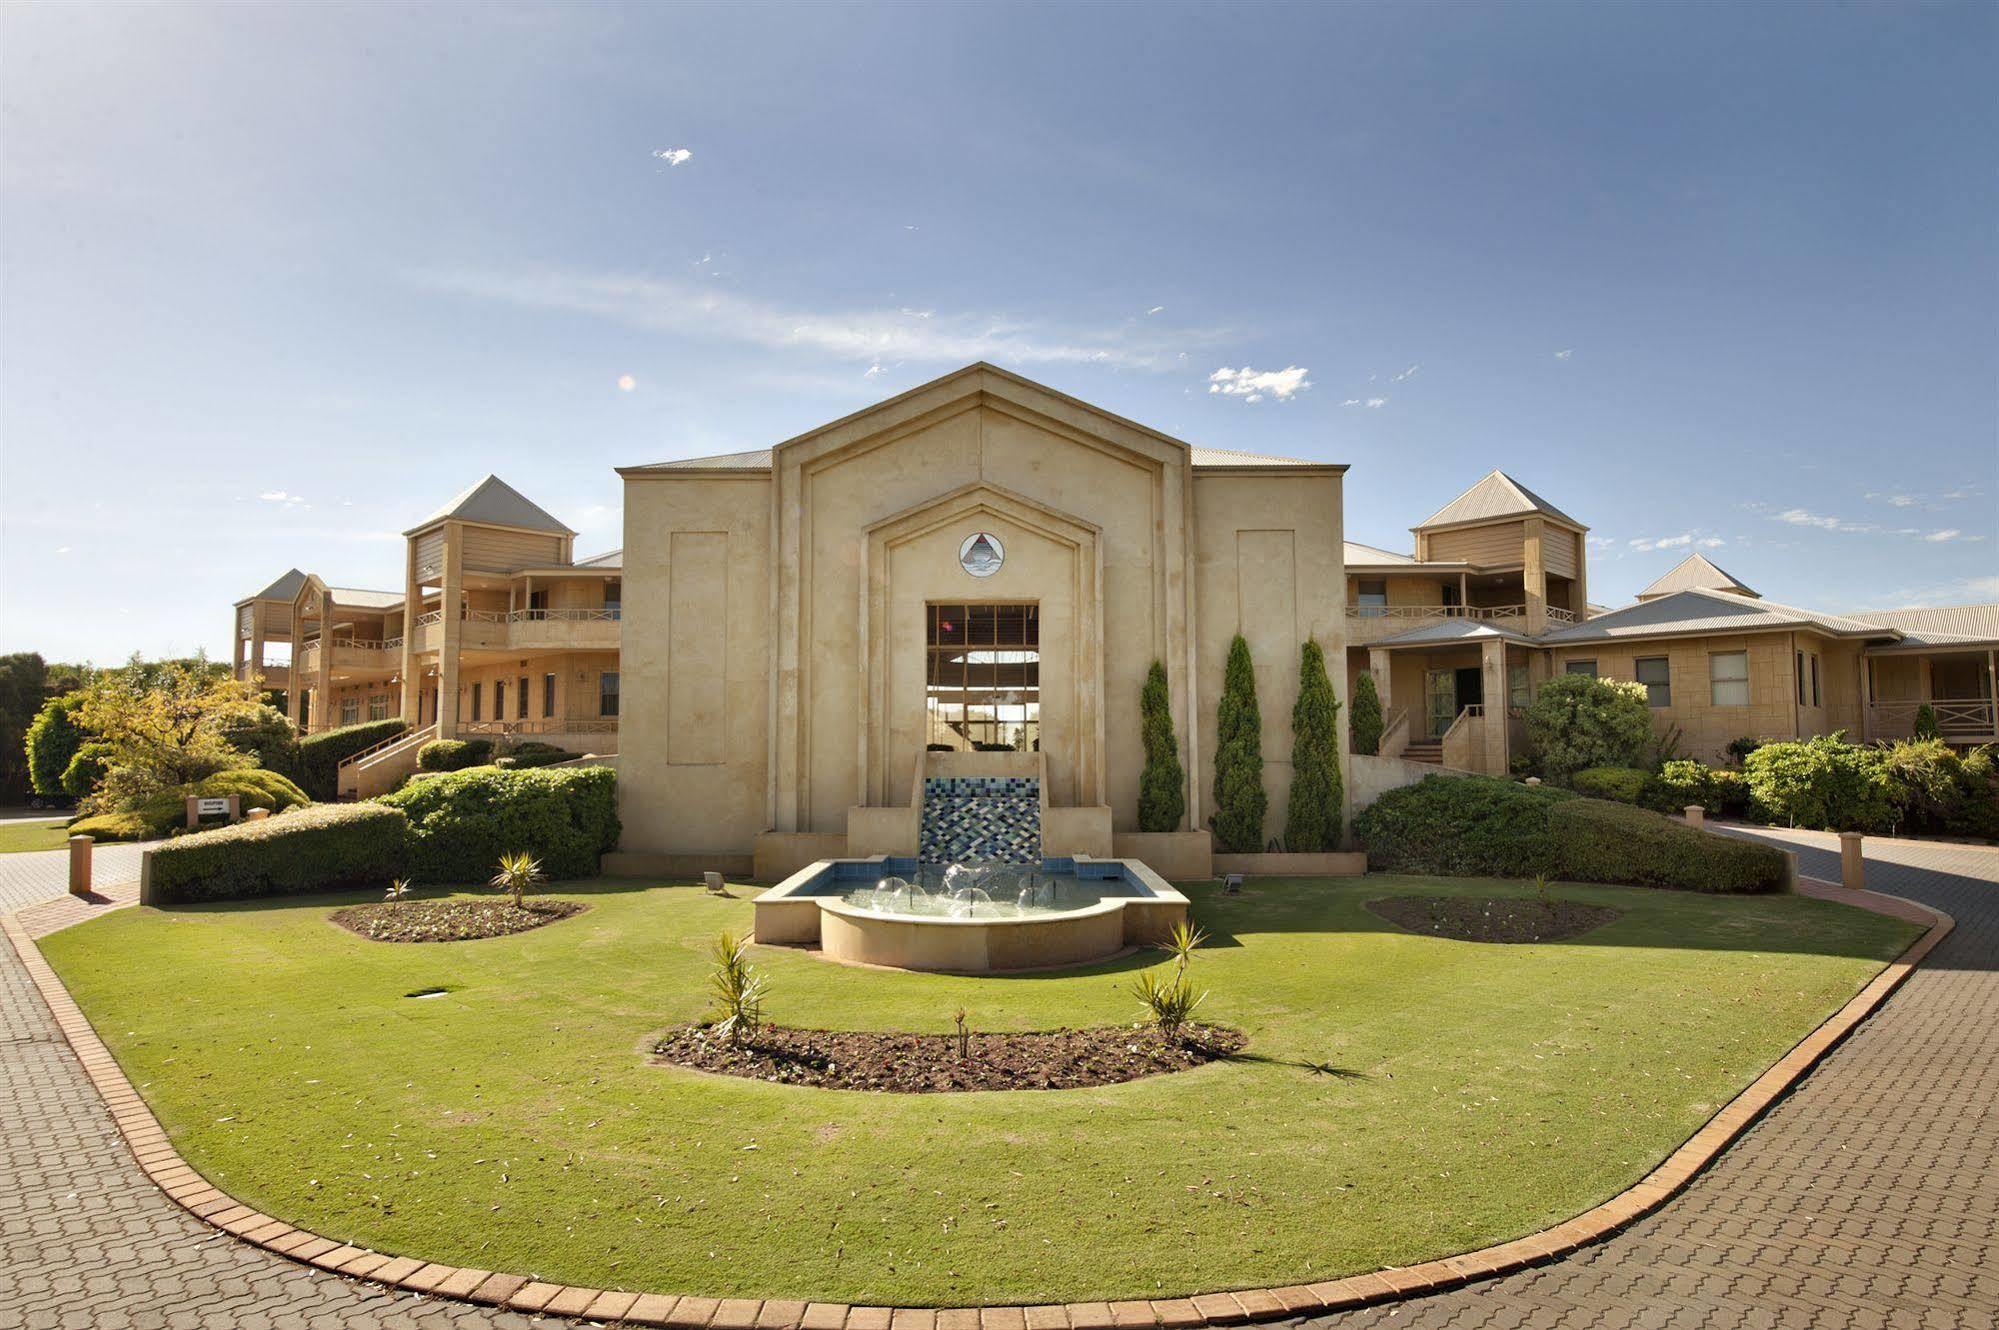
x: 1446, y: 693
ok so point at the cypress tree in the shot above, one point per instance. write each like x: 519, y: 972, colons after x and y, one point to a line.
x: 1239, y: 797
x: 1162, y: 787
x: 1366, y: 720
x: 1312, y: 822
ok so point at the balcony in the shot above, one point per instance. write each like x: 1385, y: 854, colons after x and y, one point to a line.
x: 585, y: 734
x: 525, y: 630
x: 1373, y: 623
x: 1964, y: 720
x: 354, y: 654
x: 276, y: 673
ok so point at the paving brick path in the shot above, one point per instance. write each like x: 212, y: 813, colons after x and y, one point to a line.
x: 1869, y: 1197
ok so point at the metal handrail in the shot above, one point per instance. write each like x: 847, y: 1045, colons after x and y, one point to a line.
x: 406, y: 736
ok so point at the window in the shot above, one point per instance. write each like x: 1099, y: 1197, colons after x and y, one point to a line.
x: 475, y: 701
x: 350, y: 710
x: 378, y: 707
x: 1373, y: 599
x: 537, y: 603
x: 982, y: 679
x: 1657, y: 677
x: 1728, y: 678
x: 521, y: 700
x: 1580, y: 667
x: 499, y: 699
x: 547, y: 696
x: 607, y: 693
x: 1808, y: 679
x: 1815, y: 678
x: 614, y: 598
x: 1516, y: 686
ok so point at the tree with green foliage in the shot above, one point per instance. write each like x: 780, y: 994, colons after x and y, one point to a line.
x: 1312, y: 822
x: 53, y: 740
x: 1240, y: 802
x: 22, y: 675
x: 267, y: 735
x: 1926, y: 723
x: 1578, y: 721
x: 1366, y: 721
x: 160, y: 726
x: 1162, y: 786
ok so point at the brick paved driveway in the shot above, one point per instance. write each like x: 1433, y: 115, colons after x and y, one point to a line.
x: 40, y: 875
x: 1869, y: 1197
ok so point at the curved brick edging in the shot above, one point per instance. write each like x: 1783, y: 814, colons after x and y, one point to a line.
x: 156, y: 1155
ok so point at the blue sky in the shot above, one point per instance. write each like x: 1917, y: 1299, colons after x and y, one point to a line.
x: 276, y: 282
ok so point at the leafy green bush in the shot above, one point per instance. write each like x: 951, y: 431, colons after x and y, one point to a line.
x: 1740, y: 748
x: 1597, y: 841
x: 1312, y: 817
x: 165, y: 813
x: 1240, y: 800
x: 86, y: 770
x: 1926, y: 723
x: 1934, y: 788
x: 309, y: 849
x: 1162, y: 784
x: 1824, y: 782
x: 267, y: 735
x: 527, y: 756
x: 1577, y: 721
x: 1481, y: 826
x: 52, y: 741
x: 454, y: 754
x: 113, y: 827
x: 1621, y: 785
x: 462, y: 822
x: 1679, y: 784
x: 1466, y: 826
x: 320, y: 755
x: 1366, y: 721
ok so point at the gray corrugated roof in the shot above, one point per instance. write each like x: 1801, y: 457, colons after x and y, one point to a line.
x: 494, y: 501
x: 285, y: 588
x: 361, y: 598
x: 1448, y: 631
x: 612, y: 559
x: 1368, y: 556
x: 759, y: 459
x: 1696, y: 570
x: 1498, y: 495
x: 1940, y: 625
x: 1217, y: 458
x: 1702, y: 610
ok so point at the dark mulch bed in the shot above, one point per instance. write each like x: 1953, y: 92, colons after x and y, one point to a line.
x: 929, y: 1063
x: 1472, y: 920
x: 450, y: 921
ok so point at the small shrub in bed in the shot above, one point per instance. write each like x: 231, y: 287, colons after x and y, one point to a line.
x: 453, y: 754
x: 1621, y: 785
x: 308, y: 849
x: 1596, y: 841
x: 320, y: 755
x: 462, y: 822
x: 1823, y: 782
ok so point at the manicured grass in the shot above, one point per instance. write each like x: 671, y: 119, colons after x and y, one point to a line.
x: 1403, y: 1097
x: 17, y: 837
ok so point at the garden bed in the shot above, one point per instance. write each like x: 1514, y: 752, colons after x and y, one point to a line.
x: 1470, y: 919
x: 452, y: 920
x: 898, y: 1063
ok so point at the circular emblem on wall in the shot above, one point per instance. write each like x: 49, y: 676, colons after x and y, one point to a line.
x: 982, y: 554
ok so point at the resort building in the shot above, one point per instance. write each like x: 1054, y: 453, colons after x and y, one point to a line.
x: 969, y: 583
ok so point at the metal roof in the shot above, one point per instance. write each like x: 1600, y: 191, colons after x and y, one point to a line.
x: 1498, y: 495
x: 361, y: 598
x: 1704, y: 610
x: 1208, y: 459
x: 285, y: 588
x: 1940, y: 625
x: 496, y: 503
x: 612, y: 559
x: 1453, y: 631
x: 1696, y: 570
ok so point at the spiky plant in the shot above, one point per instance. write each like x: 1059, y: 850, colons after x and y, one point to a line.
x: 1181, y: 944
x: 519, y: 874
x: 737, y: 987
x: 1169, y: 1002
x: 398, y: 889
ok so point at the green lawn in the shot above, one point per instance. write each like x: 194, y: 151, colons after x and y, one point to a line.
x: 18, y: 836
x: 1403, y: 1098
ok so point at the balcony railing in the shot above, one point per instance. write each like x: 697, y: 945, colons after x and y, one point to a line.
x: 601, y: 614
x: 1962, y: 719
x: 513, y: 729
x: 1436, y: 611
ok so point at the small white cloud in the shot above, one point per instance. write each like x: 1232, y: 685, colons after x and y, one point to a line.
x: 873, y: 371
x: 282, y: 497
x: 1711, y: 543
x: 1564, y: 355
x: 1156, y: 309
x: 1948, y: 533
x: 1377, y: 401
x: 918, y: 313
x: 1805, y: 517
x: 1252, y: 385
x: 62, y: 549
x: 626, y: 383
x: 1406, y: 374
x: 672, y: 156
x: 1351, y: 401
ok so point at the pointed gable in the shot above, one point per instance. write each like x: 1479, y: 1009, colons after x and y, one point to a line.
x: 284, y: 589
x: 1497, y: 496
x: 1696, y: 572
x: 495, y: 503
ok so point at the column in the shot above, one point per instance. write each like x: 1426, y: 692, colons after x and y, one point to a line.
x: 412, y: 610
x: 257, y: 611
x: 325, y: 715
x: 450, y: 631
x: 1534, y: 576
x: 295, y: 688
x: 1492, y: 666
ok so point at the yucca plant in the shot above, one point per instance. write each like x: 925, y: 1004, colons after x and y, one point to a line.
x: 398, y: 889
x: 739, y: 990
x: 1169, y: 1002
x: 519, y: 874
x: 1181, y: 944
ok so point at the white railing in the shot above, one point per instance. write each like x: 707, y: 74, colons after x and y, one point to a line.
x: 1560, y: 615
x: 509, y: 729
x: 406, y: 737
x: 1956, y: 717
x: 1436, y: 611
x: 602, y: 614
x: 429, y: 617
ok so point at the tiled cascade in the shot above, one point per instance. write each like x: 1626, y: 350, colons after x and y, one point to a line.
x: 981, y: 819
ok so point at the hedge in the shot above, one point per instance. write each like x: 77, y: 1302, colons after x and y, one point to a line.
x: 1481, y: 826
x: 528, y: 756
x: 166, y: 812
x: 1621, y: 785
x: 306, y: 850
x: 462, y: 822
x: 453, y: 754
x: 320, y: 755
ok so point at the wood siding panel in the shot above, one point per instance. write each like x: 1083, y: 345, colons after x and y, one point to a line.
x: 430, y: 555
x: 492, y: 551
x: 1499, y: 543
x: 1558, y: 551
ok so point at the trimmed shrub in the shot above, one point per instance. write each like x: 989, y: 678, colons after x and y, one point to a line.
x: 1597, y: 841
x: 1240, y: 800
x: 320, y: 755
x: 53, y: 738
x: 309, y: 849
x: 1577, y: 721
x: 1162, y: 784
x: 1825, y: 783
x: 267, y: 735
x: 527, y: 756
x: 1366, y: 722
x: 1731, y: 793
x: 1677, y: 785
x: 113, y: 826
x: 462, y: 822
x: 165, y: 813
x: 1461, y: 826
x: 1312, y: 818
x: 1621, y: 785
x: 454, y: 754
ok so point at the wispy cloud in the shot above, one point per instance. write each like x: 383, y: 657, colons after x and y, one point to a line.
x: 1564, y: 355
x: 1948, y: 533
x: 869, y: 336
x: 673, y: 156
x: 1375, y: 403
x: 1828, y: 522
x: 1406, y: 374
x: 282, y: 498
x: 1975, y: 589
x: 1156, y: 309
x: 1253, y: 385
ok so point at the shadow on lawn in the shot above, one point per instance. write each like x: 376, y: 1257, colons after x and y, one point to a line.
x: 426, y: 891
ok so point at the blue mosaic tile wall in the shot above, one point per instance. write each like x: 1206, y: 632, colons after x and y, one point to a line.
x: 981, y: 819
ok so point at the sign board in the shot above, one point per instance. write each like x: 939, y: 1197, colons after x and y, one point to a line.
x: 211, y: 808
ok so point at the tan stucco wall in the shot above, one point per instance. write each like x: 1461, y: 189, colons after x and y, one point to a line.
x: 1706, y: 729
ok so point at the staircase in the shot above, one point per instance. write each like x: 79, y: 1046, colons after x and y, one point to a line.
x: 1426, y: 750
x: 377, y: 770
